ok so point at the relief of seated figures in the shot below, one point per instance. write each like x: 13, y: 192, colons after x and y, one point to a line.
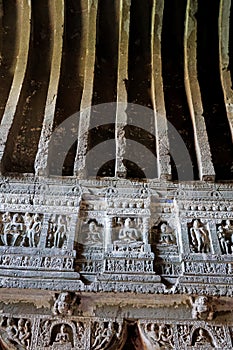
x: 225, y: 236
x: 166, y: 235
x: 202, y: 339
x: 93, y: 235
x: 163, y: 236
x: 129, y: 231
x: 20, y: 230
x: 61, y: 337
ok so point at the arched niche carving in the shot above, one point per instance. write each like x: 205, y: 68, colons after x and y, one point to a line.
x: 201, y: 335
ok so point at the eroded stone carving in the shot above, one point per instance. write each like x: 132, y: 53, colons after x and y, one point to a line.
x: 167, y: 234
x: 103, y: 334
x: 199, y: 237
x: 129, y: 230
x: 225, y: 236
x: 161, y: 335
x: 62, y: 337
x: 20, y: 230
x: 18, y: 331
x: 94, y: 236
x: 59, y: 334
x: 184, y: 334
x: 202, y: 308
x: 57, y: 232
x: 64, y: 304
x: 201, y: 338
x: 33, y: 227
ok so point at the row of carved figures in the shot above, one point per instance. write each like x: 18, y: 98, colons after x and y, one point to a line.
x: 62, y: 335
x: 64, y: 331
x: 130, y: 230
x: 25, y: 230
x: 125, y: 230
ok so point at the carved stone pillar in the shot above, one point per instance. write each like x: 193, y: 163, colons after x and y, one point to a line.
x: 214, y: 238
x: 145, y: 229
x: 184, y: 237
x: 71, y: 233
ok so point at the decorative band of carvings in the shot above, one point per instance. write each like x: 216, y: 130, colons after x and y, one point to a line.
x: 75, y: 332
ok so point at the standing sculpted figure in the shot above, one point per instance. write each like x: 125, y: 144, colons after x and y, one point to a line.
x: 223, y: 240
x: 199, y: 237
x: 13, y: 229
x: 23, y: 332
x: 33, y: 230
x: 60, y: 232
x: 6, y: 220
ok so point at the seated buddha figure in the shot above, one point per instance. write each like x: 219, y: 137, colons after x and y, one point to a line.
x: 127, y: 233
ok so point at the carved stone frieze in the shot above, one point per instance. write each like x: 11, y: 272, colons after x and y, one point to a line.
x: 19, y: 229
x: 118, y: 239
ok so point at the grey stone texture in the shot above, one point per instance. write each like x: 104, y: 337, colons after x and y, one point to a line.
x: 110, y: 258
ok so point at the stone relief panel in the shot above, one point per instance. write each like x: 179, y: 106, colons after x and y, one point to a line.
x: 90, y: 238
x: 207, y: 268
x: 16, y: 331
x: 98, y: 334
x: 225, y: 236
x: 62, y: 334
x: 116, y: 238
x: 184, y: 332
x: 168, y: 269
x: 199, y: 237
x: 104, y: 334
x: 161, y: 336
x: 91, y: 234
x: 164, y: 238
x: 129, y: 266
x: 185, y: 336
x: 91, y: 266
x: 27, y: 262
x: 127, y: 230
x: 129, y: 251
x: 202, y: 339
x: 58, y: 230
x: 19, y: 229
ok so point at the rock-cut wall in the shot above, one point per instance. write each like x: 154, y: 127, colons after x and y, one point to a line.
x: 116, y: 193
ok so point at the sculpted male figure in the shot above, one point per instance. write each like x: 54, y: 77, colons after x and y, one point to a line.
x: 199, y: 236
x: 127, y: 233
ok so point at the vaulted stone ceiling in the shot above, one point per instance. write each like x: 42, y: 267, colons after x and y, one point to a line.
x: 60, y: 57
